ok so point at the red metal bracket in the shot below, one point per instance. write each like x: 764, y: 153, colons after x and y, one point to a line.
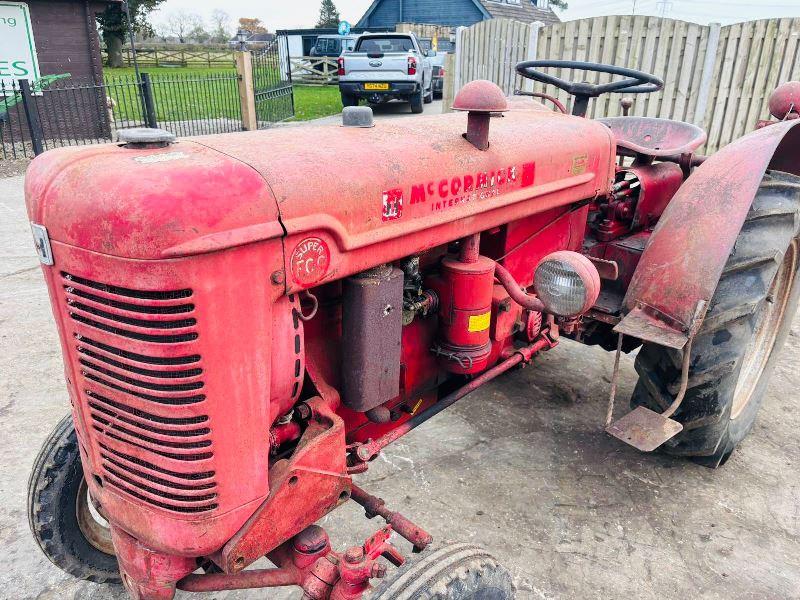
x: 316, y: 472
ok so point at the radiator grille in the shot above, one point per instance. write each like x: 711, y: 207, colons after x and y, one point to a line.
x: 143, y: 389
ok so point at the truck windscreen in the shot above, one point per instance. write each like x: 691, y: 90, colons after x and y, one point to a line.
x: 385, y: 44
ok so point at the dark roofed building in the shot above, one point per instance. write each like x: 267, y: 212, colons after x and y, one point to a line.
x: 52, y: 44
x: 63, y: 39
x: 454, y: 13
x: 522, y: 10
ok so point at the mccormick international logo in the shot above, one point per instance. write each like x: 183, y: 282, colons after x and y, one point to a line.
x: 447, y: 192
x: 392, y: 204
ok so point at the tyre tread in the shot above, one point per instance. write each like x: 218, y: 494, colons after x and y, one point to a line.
x: 769, y: 228
x: 60, y: 448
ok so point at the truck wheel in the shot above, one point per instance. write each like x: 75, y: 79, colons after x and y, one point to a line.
x: 349, y: 100
x: 451, y: 571
x: 735, y: 350
x: 429, y: 96
x: 59, y: 512
x: 416, y: 102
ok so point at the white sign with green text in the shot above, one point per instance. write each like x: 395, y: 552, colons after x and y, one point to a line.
x: 17, y: 48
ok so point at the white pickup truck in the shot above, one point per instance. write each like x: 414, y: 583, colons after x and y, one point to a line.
x: 384, y: 67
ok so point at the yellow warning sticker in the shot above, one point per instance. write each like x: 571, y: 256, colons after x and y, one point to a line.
x: 480, y: 322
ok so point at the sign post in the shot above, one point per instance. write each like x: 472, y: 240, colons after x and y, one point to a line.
x: 17, y: 48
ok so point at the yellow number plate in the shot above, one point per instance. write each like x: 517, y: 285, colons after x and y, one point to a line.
x: 376, y: 86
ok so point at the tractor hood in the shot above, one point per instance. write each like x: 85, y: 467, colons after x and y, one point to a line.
x: 139, y: 203
x: 351, y: 187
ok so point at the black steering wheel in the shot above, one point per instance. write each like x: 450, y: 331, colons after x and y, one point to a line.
x: 635, y: 82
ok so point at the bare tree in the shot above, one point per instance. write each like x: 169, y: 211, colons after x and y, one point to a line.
x: 220, y: 26
x: 181, y: 23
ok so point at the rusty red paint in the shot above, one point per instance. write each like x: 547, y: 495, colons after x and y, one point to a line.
x: 257, y: 578
x: 480, y: 95
x: 316, y: 471
x: 655, y: 137
x: 785, y: 101
x: 191, y: 262
x: 374, y: 506
x: 218, y: 213
x: 370, y: 449
x: 682, y: 263
x: 310, y: 261
x: 148, y: 574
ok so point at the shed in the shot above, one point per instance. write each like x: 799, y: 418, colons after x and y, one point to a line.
x: 53, y: 37
x: 63, y: 38
x: 300, y: 41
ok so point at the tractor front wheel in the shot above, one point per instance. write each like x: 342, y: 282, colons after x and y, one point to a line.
x: 735, y: 350
x: 66, y: 525
x: 448, y: 572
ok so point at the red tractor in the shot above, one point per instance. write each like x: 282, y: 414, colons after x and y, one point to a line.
x: 245, y: 326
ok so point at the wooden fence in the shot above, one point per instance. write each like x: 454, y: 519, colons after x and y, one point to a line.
x: 169, y: 57
x: 717, y: 77
x: 314, y: 70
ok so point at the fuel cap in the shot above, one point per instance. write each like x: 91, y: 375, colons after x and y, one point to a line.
x: 145, y: 137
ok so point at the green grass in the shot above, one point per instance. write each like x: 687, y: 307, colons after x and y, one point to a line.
x: 207, y: 98
x: 313, y: 102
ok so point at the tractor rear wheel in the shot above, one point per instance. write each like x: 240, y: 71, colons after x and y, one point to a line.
x: 747, y: 322
x: 68, y: 529
x: 452, y: 571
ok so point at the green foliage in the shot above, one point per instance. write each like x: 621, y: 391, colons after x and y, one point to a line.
x: 115, y: 27
x: 114, y: 22
x: 328, y: 15
x: 562, y: 4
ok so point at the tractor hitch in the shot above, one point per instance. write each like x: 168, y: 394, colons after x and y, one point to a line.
x: 374, y: 506
x: 308, y: 561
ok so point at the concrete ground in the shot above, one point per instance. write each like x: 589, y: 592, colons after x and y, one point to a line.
x: 521, y: 466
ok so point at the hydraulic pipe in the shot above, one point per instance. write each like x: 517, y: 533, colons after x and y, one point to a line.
x: 370, y: 449
x: 516, y: 292
x: 373, y: 505
x: 257, y: 578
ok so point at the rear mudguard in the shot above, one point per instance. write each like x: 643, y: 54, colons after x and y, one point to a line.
x: 683, y: 261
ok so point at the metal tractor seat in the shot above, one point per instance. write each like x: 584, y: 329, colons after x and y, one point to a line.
x: 655, y: 137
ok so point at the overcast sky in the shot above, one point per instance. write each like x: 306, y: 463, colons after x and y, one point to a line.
x: 280, y: 14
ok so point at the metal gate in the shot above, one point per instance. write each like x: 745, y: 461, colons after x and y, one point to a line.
x: 272, y: 82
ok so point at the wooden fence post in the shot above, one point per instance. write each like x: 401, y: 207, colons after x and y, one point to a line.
x: 459, y: 58
x: 448, y: 89
x: 247, y: 95
x: 533, y: 46
x: 709, y: 63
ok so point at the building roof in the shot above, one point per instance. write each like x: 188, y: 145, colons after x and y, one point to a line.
x: 365, y: 17
x: 330, y: 31
x: 261, y: 37
x: 523, y: 10
x: 520, y: 10
x: 255, y: 38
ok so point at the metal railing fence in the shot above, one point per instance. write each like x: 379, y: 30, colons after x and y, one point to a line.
x: 38, y: 116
